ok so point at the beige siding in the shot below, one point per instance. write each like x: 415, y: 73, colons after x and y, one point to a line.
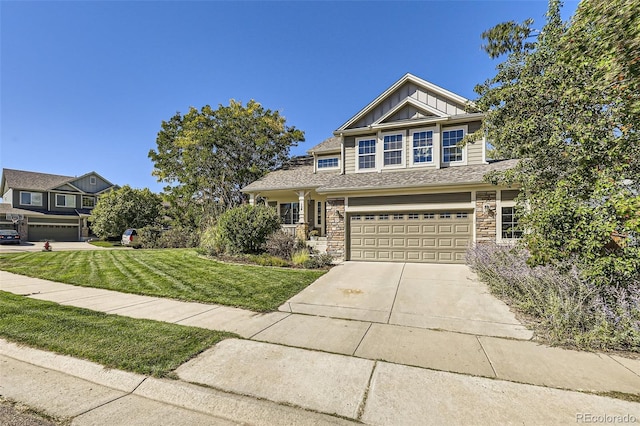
x: 474, y: 153
x: 350, y: 160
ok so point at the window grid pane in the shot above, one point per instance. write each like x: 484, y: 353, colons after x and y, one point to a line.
x: 392, y: 150
x: 367, y: 154
x: 423, y: 147
x: 325, y: 163
x: 451, y: 152
x: 510, y: 223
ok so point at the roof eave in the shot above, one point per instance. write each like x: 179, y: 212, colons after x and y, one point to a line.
x: 386, y: 188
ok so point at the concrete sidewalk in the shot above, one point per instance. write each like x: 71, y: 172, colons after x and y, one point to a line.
x: 360, y: 370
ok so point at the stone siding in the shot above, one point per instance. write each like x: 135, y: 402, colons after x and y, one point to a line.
x: 335, y: 227
x: 486, y: 221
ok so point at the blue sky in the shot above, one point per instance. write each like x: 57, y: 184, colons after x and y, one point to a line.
x: 85, y: 85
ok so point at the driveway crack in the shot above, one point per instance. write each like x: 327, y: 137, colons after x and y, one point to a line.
x: 395, y: 296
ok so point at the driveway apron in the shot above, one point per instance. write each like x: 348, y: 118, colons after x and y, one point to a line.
x: 431, y: 296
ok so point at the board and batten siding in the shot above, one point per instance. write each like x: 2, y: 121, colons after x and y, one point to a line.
x: 410, y: 90
x: 85, y: 185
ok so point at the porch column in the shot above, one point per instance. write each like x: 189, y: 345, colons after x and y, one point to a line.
x: 302, y: 196
x: 252, y: 199
x: 302, y: 229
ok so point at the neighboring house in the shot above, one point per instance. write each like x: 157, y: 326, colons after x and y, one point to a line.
x: 392, y: 184
x: 49, y: 207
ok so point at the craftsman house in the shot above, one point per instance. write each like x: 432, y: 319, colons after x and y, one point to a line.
x: 49, y: 207
x: 393, y: 184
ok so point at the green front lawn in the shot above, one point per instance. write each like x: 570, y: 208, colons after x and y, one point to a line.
x: 142, y: 346
x: 175, y: 273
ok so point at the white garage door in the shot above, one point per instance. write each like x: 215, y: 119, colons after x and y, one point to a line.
x: 429, y: 237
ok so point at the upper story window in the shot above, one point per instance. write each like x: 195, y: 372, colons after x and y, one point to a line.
x: 92, y: 180
x: 88, y: 202
x: 31, y: 198
x: 65, y: 200
x: 392, y: 150
x: 367, y: 154
x: 422, y: 149
x: 328, y: 163
x: 450, y: 152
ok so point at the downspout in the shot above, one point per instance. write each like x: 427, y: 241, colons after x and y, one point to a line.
x: 342, y: 154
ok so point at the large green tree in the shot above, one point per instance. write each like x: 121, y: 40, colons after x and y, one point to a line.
x: 566, y: 101
x: 206, y: 156
x: 124, y: 208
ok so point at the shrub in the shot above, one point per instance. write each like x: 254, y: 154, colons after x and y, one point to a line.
x: 568, y: 308
x: 300, y: 257
x: 280, y: 244
x: 153, y: 237
x: 211, y: 243
x: 245, y: 229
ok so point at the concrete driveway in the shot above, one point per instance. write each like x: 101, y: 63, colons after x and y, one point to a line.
x: 444, y: 297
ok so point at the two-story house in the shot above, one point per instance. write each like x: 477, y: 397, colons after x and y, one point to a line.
x: 393, y: 183
x: 43, y: 206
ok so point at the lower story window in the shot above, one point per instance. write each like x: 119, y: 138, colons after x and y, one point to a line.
x: 290, y: 213
x: 510, y: 226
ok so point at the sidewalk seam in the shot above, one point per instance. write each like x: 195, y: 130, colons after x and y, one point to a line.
x: 395, y: 296
x: 487, y: 356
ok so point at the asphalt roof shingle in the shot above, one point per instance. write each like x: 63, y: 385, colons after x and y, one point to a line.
x: 303, y: 177
x: 330, y: 144
x: 21, y: 179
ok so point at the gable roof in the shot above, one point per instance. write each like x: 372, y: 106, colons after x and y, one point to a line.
x: 22, y: 179
x: 35, y: 181
x: 303, y: 177
x: 331, y: 144
x: 398, y: 97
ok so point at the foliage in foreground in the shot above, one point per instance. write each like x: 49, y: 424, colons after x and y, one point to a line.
x: 142, y: 346
x: 565, y: 102
x: 567, y: 309
x: 155, y: 237
x: 174, y: 273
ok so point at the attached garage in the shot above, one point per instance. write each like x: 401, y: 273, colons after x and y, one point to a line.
x: 425, y: 236
x: 38, y: 232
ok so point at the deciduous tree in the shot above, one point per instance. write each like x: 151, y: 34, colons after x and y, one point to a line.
x: 124, y: 208
x: 206, y: 156
x: 566, y: 101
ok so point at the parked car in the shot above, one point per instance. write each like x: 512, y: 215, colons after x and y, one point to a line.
x: 130, y: 238
x: 9, y: 236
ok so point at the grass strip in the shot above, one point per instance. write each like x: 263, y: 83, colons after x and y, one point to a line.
x: 141, y: 346
x: 174, y: 273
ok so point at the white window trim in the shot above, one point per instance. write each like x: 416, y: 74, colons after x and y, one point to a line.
x: 88, y: 197
x: 403, y: 150
x: 376, y: 154
x: 463, y: 162
x: 65, y: 201
x: 327, y: 168
x: 93, y: 180
x: 433, y: 147
x: 32, y: 194
x: 499, y: 206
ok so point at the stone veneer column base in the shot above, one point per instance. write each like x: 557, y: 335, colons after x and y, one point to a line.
x: 486, y: 221
x: 335, y: 215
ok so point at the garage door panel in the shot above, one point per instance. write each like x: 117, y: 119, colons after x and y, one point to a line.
x: 52, y: 232
x: 429, y: 229
x: 433, y: 237
x: 384, y: 229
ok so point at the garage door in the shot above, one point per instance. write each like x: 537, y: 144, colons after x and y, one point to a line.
x: 430, y: 237
x: 53, y: 233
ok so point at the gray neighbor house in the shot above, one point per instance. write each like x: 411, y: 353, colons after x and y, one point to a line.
x: 43, y: 206
x: 392, y: 184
